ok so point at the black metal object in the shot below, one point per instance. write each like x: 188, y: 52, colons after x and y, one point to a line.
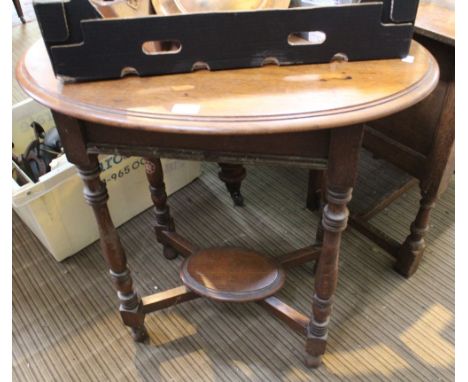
x: 82, y: 46
x: 36, y: 159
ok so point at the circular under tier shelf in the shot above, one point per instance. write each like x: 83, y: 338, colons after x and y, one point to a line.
x: 232, y: 274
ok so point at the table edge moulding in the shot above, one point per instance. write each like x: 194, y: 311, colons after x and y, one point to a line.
x: 187, y: 116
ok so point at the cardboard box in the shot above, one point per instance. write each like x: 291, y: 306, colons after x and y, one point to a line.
x: 54, y: 208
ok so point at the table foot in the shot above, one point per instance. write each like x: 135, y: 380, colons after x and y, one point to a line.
x: 169, y: 253
x: 139, y: 334
x: 411, y: 252
x: 409, y: 257
x: 237, y: 198
x: 316, y: 342
x: 233, y: 175
x: 312, y: 361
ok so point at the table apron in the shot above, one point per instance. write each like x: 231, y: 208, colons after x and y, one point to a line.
x: 209, y: 156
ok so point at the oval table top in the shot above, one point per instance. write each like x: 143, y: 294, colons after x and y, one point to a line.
x: 263, y: 100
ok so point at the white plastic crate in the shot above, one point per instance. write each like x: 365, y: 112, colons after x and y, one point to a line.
x: 54, y: 208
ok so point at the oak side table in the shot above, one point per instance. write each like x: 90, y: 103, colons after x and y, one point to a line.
x: 305, y: 115
x: 419, y: 140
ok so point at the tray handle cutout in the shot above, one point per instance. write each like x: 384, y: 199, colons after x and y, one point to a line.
x: 158, y: 47
x: 307, y: 38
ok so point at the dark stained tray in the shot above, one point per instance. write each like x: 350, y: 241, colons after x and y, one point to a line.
x: 83, y: 46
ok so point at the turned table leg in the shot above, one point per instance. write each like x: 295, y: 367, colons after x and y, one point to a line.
x: 314, y: 189
x: 343, y: 158
x: 321, y: 196
x: 233, y: 175
x: 95, y: 193
x: 321, y: 207
x: 334, y: 221
x: 163, y: 220
x: 439, y: 170
x: 412, y: 250
x: 72, y: 135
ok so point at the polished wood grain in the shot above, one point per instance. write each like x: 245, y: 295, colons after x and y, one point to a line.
x: 240, y: 102
x: 181, y: 245
x: 165, y: 7
x: 294, y: 319
x: 307, y: 149
x: 173, y: 7
x: 191, y: 6
x: 163, y: 221
x: 436, y: 20
x: 123, y: 8
x: 167, y: 299
x: 300, y: 257
x: 232, y: 274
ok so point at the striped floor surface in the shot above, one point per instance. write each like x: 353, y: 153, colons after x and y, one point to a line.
x: 384, y: 328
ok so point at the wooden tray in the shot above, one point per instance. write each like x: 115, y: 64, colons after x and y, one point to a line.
x: 83, y: 46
